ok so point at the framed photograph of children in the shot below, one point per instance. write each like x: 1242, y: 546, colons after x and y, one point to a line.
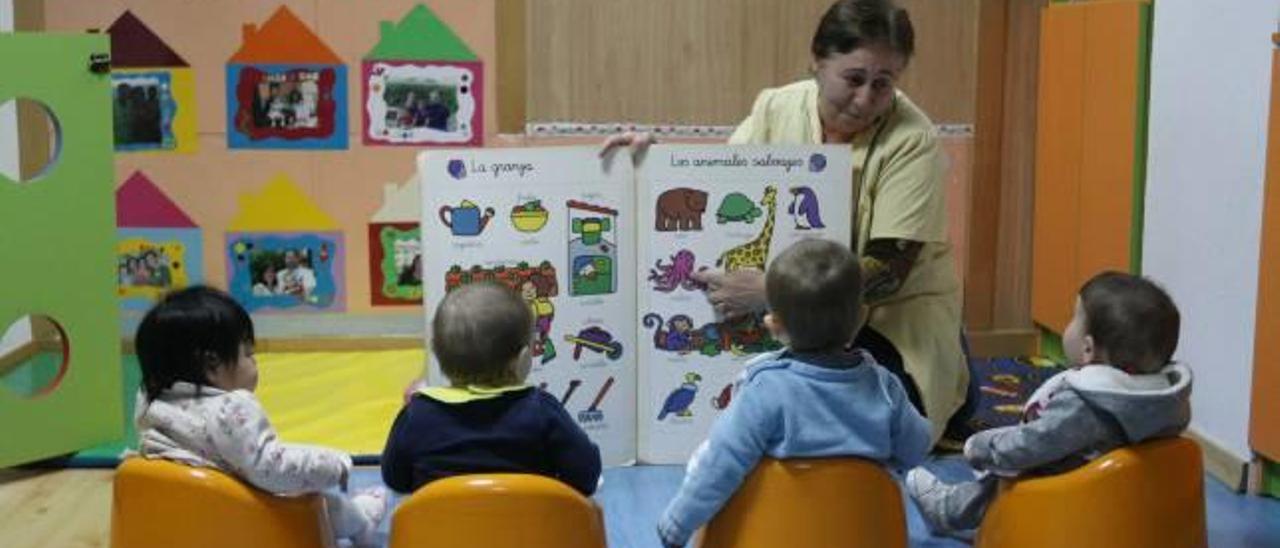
x: 152, y: 262
x: 395, y: 263
x: 423, y: 103
x: 294, y: 272
x: 143, y: 110
x: 287, y: 106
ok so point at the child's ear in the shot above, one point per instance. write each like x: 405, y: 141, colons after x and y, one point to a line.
x: 1088, y: 352
x: 774, y: 324
x: 523, y: 364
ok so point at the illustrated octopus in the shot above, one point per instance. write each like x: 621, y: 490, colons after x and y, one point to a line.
x: 679, y: 274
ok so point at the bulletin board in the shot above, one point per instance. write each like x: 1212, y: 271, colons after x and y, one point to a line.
x: 207, y: 179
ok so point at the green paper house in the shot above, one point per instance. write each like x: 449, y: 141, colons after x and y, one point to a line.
x: 422, y: 85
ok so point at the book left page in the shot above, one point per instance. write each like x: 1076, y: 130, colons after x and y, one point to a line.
x: 554, y: 224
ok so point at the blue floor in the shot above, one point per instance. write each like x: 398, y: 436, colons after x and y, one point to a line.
x: 634, y: 497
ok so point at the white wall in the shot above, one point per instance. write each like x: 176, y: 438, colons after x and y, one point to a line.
x: 8, y: 118
x: 9, y: 165
x: 1210, y: 84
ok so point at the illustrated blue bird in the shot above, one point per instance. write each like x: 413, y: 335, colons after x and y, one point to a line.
x: 679, y: 400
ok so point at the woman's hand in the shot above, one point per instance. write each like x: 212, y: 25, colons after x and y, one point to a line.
x: 734, y: 294
x: 638, y: 142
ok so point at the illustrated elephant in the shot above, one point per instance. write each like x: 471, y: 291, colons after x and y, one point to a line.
x: 680, y: 209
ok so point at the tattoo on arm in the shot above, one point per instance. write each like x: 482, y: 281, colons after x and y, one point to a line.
x: 885, y: 265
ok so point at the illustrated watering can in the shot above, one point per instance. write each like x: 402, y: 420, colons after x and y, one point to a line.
x: 465, y: 220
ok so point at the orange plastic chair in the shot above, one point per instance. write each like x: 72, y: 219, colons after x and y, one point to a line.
x: 497, y: 511
x: 845, y: 502
x: 1150, y: 494
x: 162, y: 504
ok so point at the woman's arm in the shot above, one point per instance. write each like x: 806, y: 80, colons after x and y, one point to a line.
x: 886, y: 262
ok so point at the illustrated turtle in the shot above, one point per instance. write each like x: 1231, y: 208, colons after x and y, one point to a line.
x: 737, y: 208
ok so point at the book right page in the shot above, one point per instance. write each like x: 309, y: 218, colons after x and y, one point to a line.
x: 716, y: 208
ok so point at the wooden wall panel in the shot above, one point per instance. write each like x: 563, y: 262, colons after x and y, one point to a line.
x: 512, y: 24
x: 979, y: 276
x: 1012, y: 299
x: 1264, y: 423
x: 703, y: 62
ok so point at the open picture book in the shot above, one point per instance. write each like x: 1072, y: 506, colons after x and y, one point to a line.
x: 605, y: 251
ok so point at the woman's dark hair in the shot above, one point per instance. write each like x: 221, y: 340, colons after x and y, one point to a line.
x: 188, y: 334
x: 851, y: 24
x: 1132, y: 320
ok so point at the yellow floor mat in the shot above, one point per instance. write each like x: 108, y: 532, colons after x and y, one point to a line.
x: 344, y: 400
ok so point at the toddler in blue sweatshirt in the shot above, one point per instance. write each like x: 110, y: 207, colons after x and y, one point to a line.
x: 815, y: 398
x: 487, y: 420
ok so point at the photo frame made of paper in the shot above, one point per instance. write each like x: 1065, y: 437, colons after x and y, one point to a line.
x: 286, y: 106
x: 153, y: 261
x: 153, y: 110
x: 416, y: 103
x: 286, y: 271
x: 395, y: 264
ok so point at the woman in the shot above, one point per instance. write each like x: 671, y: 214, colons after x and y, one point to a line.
x: 860, y: 49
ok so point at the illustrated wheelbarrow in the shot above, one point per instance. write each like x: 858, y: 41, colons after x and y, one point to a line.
x: 596, y: 339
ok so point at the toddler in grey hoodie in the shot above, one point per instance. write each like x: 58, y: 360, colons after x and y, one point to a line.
x: 1121, y: 390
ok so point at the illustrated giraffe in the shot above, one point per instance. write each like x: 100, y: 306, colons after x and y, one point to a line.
x: 755, y: 253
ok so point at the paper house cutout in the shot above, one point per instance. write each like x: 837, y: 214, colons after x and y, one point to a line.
x: 283, y: 38
x: 281, y: 230
x: 285, y: 88
x: 135, y: 45
x: 141, y: 204
x: 422, y: 85
x: 158, y: 247
x: 153, y: 91
x: 280, y: 207
x: 420, y: 35
x: 395, y: 245
x: 400, y: 203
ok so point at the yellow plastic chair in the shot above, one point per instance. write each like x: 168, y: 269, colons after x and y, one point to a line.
x: 497, y: 511
x: 1151, y: 494
x: 845, y: 502
x: 162, y: 504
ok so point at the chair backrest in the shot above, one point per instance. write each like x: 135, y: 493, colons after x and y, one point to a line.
x: 162, y: 504
x: 497, y: 511
x: 845, y: 502
x: 1150, y: 494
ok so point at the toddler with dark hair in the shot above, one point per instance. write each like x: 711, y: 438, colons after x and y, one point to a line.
x: 815, y: 398
x: 1121, y: 390
x: 197, y: 407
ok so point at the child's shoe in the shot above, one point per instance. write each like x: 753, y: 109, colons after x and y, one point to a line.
x: 930, y: 495
x: 372, y: 503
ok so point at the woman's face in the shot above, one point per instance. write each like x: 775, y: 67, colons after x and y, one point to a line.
x: 856, y: 88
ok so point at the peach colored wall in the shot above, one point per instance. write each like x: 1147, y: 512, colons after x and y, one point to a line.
x: 346, y: 184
